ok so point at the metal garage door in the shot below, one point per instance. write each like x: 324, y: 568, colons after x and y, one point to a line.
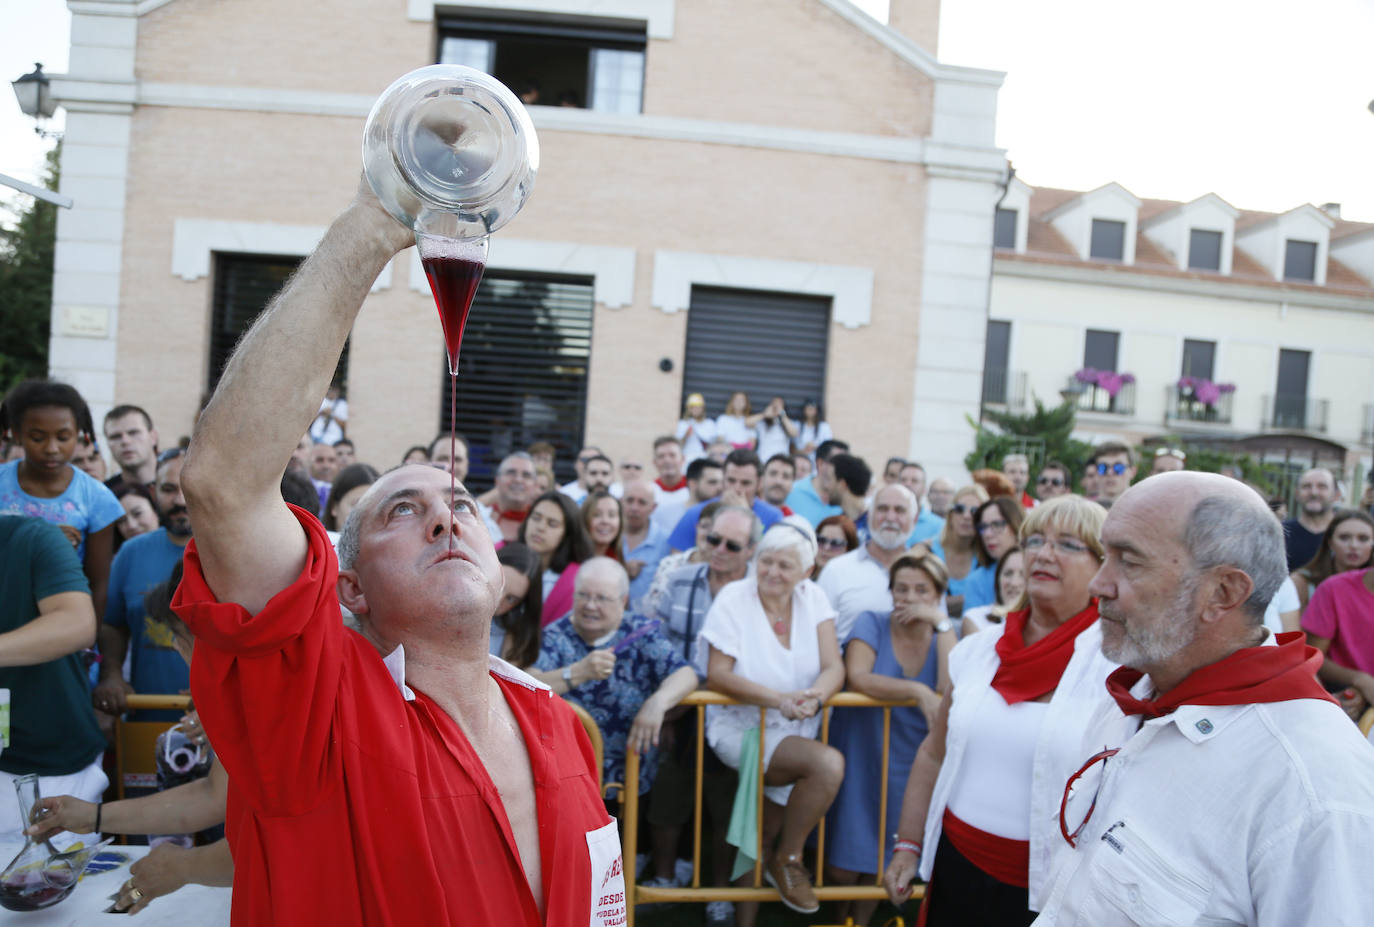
x: 767, y: 344
x: 522, y: 375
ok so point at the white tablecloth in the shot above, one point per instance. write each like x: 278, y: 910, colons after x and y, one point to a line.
x: 197, y: 905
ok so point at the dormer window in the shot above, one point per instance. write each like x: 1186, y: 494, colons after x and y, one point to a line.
x: 1204, y: 249
x: 1108, y: 240
x: 1300, y: 260
x: 1004, y: 228
x: 565, y: 61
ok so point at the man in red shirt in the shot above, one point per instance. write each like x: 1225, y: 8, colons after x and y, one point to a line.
x: 398, y: 776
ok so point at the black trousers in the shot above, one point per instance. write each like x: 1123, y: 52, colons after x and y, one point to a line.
x: 962, y: 895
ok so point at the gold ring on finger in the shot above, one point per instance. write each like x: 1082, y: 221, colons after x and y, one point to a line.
x: 135, y: 895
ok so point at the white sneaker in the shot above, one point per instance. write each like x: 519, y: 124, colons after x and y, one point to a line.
x: 682, y: 872
x: 720, y: 914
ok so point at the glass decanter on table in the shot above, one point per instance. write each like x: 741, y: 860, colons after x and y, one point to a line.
x: 40, y: 876
x: 451, y: 152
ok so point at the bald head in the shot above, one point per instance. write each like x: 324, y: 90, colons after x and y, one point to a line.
x: 1192, y: 562
x: 599, y: 571
x: 638, y: 501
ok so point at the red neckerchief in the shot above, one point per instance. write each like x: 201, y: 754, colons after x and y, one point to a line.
x: 1027, y: 673
x: 1026, y: 501
x: 680, y: 484
x: 515, y: 515
x: 1250, y: 675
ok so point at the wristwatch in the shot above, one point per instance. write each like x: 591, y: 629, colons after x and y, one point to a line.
x: 944, y: 625
x: 567, y: 673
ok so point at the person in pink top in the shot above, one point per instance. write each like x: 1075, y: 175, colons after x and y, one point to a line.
x: 553, y: 530
x: 1339, y: 622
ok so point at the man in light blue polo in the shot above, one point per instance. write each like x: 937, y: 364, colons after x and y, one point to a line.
x: 815, y: 498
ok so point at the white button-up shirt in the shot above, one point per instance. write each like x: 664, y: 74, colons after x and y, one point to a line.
x: 1238, y: 814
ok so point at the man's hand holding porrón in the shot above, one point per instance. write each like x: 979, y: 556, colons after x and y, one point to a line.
x: 396, y: 236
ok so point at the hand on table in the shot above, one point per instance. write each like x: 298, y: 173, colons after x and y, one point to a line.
x: 161, y: 872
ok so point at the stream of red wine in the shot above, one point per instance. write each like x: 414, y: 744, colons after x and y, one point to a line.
x: 453, y: 280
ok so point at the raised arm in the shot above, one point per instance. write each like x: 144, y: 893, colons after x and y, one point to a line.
x: 251, y: 546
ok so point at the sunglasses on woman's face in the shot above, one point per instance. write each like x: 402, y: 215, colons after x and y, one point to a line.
x: 959, y: 508
x: 832, y: 543
x: 715, y: 540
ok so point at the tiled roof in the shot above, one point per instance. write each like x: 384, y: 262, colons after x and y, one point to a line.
x: 1045, y: 244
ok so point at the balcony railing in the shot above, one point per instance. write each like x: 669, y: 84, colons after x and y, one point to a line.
x: 1291, y: 412
x: 1004, y: 388
x: 758, y: 891
x: 1093, y: 398
x: 1181, y: 406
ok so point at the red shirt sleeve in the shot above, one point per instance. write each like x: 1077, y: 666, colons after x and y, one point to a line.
x: 266, y: 685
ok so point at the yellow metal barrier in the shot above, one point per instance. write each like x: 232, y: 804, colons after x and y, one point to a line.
x: 635, y: 893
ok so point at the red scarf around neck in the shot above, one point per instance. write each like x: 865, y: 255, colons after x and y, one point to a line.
x: 515, y: 515
x: 680, y: 484
x: 1027, y: 673
x: 1252, y: 674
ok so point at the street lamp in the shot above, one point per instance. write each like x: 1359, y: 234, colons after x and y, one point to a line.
x: 34, y: 92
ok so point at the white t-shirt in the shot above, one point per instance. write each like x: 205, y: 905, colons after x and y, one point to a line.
x: 695, y: 436
x: 1285, y: 600
x: 328, y: 430
x: 816, y: 434
x: 732, y: 429
x: 772, y: 439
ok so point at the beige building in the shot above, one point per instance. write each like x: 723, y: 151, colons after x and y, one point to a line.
x: 778, y: 196
x: 1240, y: 329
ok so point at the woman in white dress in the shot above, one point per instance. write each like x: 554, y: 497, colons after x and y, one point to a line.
x: 695, y: 430
x: 813, y: 430
x: 772, y: 643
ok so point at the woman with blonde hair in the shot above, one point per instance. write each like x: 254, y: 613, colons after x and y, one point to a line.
x: 735, y: 425
x: 971, y: 574
x: 980, y: 815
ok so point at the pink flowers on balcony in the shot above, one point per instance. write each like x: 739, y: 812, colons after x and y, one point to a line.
x: 1203, y: 390
x: 1109, y: 381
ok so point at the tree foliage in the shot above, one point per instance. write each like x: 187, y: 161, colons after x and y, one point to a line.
x: 1044, y: 434
x: 26, y: 265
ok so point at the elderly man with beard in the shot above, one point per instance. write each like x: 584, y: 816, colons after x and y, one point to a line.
x: 856, y: 582
x: 142, y: 563
x: 1221, y: 784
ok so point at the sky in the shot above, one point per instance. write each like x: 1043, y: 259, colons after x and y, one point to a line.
x: 1263, y: 102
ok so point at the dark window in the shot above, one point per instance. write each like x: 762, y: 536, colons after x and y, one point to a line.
x: 1199, y: 358
x: 767, y: 344
x: 1004, y: 229
x: 522, y: 374
x: 996, y: 350
x: 1300, y: 260
x: 1099, y: 350
x: 1290, y: 393
x: 1204, y: 250
x: 1109, y: 240
x: 244, y: 285
x: 563, y: 61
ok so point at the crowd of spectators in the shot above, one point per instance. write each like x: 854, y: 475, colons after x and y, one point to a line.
x: 762, y: 560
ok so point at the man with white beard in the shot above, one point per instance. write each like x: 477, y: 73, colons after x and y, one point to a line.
x: 1237, y: 791
x: 856, y: 582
